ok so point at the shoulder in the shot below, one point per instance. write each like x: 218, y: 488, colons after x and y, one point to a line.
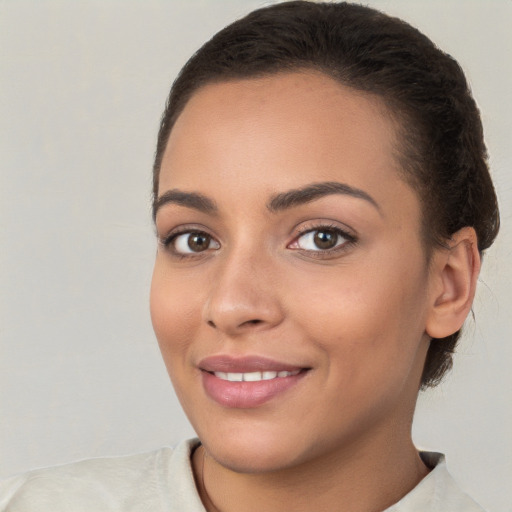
x: 437, y: 492
x: 144, y: 481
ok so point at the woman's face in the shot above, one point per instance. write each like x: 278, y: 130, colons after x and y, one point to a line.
x: 291, y: 291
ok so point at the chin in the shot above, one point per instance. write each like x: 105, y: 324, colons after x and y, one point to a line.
x: 252, y: 451
x: 251, y: 461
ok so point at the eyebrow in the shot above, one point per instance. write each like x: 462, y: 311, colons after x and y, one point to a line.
x: 277, y: 203
x: 188, y: 199
x: 297, y: 197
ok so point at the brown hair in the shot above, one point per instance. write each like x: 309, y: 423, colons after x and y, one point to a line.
x: 442, y: 151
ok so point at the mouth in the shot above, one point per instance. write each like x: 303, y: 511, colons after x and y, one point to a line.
x: 254, y: 376
x: 247, y: 382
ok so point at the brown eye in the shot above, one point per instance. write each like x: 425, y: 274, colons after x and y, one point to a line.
x: 322, y: 239
x: 193, y: 242
x: 198, y: 242
x: 326, y: 239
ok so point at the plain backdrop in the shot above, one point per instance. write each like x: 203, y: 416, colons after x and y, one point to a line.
x: 82, y: 87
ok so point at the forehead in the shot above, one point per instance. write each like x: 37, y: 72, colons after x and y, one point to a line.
x: 282, y: 131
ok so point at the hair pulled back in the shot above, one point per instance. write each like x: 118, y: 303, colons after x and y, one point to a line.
x: 442, y: 152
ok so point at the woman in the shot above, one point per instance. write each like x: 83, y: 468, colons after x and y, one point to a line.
x: 322, y: 202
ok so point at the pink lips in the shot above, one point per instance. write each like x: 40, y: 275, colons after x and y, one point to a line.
x: 245, y: 395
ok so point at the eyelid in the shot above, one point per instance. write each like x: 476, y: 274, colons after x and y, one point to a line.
x: 167, y: 234
x: 327, y: 225
x: 324, y: 223
x: 166, y: 240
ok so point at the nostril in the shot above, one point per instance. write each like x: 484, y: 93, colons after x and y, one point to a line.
x: 253, y: 322
x: 247, y: 323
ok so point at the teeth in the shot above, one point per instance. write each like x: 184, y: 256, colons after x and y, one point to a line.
x: 253, y: 376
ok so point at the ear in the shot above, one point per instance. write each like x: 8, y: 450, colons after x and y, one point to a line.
x: 454, y: 274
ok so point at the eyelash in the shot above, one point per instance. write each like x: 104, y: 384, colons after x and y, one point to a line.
x: 168, y: 241
x: 350, y: 240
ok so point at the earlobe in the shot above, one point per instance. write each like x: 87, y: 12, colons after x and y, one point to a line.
x: 455, y: 273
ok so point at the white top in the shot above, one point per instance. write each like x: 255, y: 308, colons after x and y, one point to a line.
x: 162, y: 481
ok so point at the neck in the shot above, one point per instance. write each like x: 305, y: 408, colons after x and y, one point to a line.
x: 368, y: 479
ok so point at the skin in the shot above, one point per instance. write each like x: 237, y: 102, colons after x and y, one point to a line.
x: 358, y: 316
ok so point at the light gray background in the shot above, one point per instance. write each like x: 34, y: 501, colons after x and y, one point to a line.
x: 83, y: 84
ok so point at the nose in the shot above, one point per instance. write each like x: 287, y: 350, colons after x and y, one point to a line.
x: 243, y: 295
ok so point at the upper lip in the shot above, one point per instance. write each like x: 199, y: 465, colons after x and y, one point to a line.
x: 245, y: 364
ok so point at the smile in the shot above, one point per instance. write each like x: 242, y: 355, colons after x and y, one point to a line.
x: 254, y: 376
x: 249, y: 381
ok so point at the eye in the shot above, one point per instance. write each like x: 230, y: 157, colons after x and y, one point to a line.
x: 321, y: 239
x: 192, y: 242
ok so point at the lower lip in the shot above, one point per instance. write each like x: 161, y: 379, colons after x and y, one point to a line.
x: 246, y: 395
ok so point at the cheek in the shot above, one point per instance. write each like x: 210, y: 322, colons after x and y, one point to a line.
x: 365, y: 317
x: 173, y: 313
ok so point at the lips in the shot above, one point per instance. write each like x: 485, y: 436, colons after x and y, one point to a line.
x: 246, y: 364
x: 247, y: 382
